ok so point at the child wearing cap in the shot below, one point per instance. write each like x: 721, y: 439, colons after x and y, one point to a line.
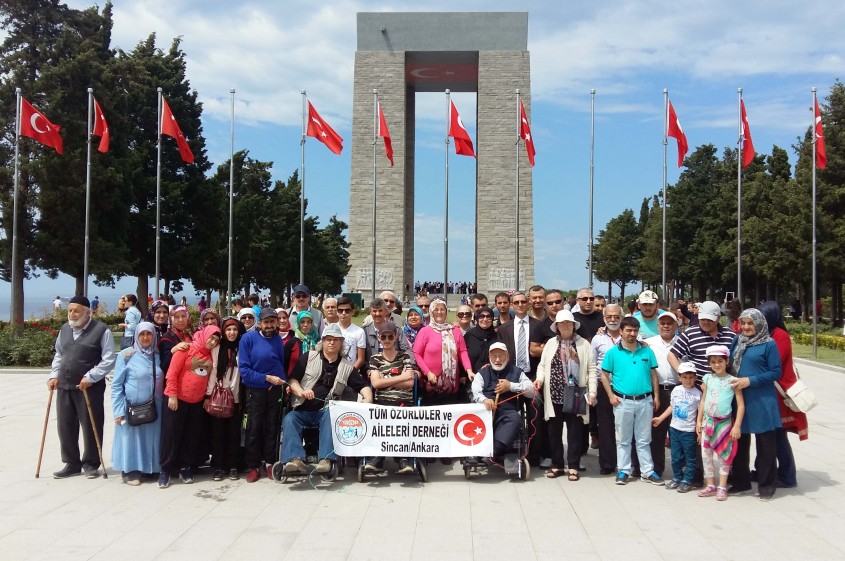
x: 718, y: 434
x: 684, y: 403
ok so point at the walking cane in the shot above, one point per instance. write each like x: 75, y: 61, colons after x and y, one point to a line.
x: 94, y: 428
x: 44, y: 434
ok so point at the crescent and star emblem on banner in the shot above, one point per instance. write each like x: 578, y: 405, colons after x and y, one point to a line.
x: 469, y: 430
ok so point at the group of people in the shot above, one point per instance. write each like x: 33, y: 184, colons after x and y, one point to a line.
x: 629, y: 380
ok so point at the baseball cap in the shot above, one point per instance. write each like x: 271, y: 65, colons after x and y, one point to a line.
x: 709, y: 310
x: 301, y: 288
x: 332, y: 330
x: 666, y: 314
x: 717, y: 350
x: 267, y: 313
x: 498, y: 347
x: 647, y: 297
x: 686, y: 367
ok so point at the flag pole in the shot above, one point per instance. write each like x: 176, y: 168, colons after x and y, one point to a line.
x: 231, y: 200
x: 88, y: 194
x: 375, y: 185
x: 158, y: 197
x: 740, y: 145
x: 15, y: 305
x: 302, y: 197
x: 815, y: 148
x: 592, y: 176
x: 666, y: 298
x: 516, y: 198
x: 446, y: 210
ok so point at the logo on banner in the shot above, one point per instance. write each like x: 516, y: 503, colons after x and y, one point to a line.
x: 350, y: 428
x: 469, y: 429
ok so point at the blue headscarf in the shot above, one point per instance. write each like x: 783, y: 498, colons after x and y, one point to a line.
x: 410, y: 332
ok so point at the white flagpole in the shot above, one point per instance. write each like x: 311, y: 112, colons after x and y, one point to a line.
x: 88, y: 192
x: 375, y: 140
x: 516, y: 237
x: 446, y: 210
x: 302, y: 196
x: 592, y: 175
x: 813, y: 303
x: 666, y: 297
x: 158, y: 198
x: 231, y: 200
x: 15, y: 305
x: 740, y: 145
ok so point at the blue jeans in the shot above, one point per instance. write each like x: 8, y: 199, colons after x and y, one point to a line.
x: 786, y: 461
x: 633, y: 421
x: 292, y: 426
x: 683, y: 455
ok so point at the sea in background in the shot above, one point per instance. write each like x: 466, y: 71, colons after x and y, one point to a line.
x: 39, y: 293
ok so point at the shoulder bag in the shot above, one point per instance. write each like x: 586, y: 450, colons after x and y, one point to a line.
x: 221, y: 402
x: 798, y: 397
x: 143, y: 413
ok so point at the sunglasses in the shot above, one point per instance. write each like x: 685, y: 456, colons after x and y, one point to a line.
x: 424, y: 306
x: 554, y: 302
x: 484, y: 316
x: 587, y: 298
x: 389, y: 301
x: 519, y: 302
x: 344, y: 310
x: 387, y: 337
x: 300, y: 295
x: 464, y: 314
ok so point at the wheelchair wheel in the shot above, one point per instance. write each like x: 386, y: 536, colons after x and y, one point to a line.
x: 278, y: 471
x: 332, y: 475
x: 360, y: 472
x: 524, y: 469
x: 422, y: 470
x: 467, y: 471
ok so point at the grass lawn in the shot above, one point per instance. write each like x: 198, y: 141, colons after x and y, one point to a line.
x: 824, y: 355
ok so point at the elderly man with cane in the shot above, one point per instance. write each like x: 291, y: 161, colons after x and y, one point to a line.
x: 84, y: 355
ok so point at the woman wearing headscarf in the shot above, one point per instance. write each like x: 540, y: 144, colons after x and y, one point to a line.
x: 177, y: 338
x: 306, y: 331
x: 137, y: 379
x: 567, y: 360
x: 289, y: 341
x: 479, y: 338
x: 795, y: 422
x: 226, y: 433
x: 755, y: 362
x: 159, y: 316
x: 209, y: 316
x: 438, y: 348
x: 414, y: 321
x: 182, y: 420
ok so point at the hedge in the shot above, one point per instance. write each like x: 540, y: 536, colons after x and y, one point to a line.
x: 835, y: 342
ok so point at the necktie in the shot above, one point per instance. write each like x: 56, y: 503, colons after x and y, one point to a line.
x: 522, y: 348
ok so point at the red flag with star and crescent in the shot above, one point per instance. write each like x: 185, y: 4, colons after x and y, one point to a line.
x: 747, y: 145
x: 101, y: 128
x: 321, y: 130
x: 385, y: 134
x: 821, y: 151
x: 457, y: 130
x: 525, y: 133
x: 170, y: 127
x: 36, y: 126
x: 675, y: 131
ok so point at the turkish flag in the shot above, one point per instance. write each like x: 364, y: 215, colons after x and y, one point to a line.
x: 676, y: 132
x: 821, y: 152
x: 747, y: 145
x: 385, y: 134
x: 36, y: 126
x: 101, y: 127
x: 463, y: 143
x: 321, y: 130
x: 170, y: 127
x: 525, y: 133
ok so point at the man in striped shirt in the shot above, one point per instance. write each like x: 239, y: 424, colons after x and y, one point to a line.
x: 692, y: 343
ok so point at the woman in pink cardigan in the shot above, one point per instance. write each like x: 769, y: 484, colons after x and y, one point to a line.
x: 437, y: 349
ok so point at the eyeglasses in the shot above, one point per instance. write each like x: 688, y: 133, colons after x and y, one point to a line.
x: 389, y: 301
x: 554, y: 302
x: 485, y: 316
x: 332, y: 339
x: 519, y: 302
x: 387, y: 337
x: 344, y: 310
x: 613, y: 316
x: 464, y: 314
x: 587, y: 298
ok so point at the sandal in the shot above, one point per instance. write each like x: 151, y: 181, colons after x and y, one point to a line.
x: 573, y: 475
x: 554, y: 472
x: 708, y: 491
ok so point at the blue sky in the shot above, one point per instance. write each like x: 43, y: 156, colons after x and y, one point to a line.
x: 628, y: 51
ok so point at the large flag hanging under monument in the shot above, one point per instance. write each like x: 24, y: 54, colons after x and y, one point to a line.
x: 170, y: 127
x: 747, y: 145
x: 36, y: 126
x: 821, y: 151
x: 101, y: 128
x: 321, y: 130
x: 385, y: 134
x: 675, y: 131
x: 463, y: 143
x: 525, y: 133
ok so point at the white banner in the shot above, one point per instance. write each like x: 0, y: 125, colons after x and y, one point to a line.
x: 446, y: 431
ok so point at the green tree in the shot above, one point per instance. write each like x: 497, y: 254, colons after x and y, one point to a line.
x: 614, y: 254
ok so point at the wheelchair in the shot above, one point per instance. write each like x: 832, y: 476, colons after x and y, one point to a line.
x: 515, y: 461
x: 309, y: 437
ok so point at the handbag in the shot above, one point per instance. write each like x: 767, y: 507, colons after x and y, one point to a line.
x: 143, y: 413
x: 798, y: 397
x: 221, y: 402
x: 573, y: 400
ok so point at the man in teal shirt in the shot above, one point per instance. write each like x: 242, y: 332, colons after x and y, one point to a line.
x: 630, y: 380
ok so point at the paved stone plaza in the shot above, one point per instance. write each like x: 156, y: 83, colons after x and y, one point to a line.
x: 488, y: 518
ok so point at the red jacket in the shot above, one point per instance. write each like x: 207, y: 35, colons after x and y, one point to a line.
x: 792, y: 421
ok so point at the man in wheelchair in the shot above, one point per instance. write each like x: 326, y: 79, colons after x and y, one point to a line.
x: 320, y: 376
x: 494, y: 386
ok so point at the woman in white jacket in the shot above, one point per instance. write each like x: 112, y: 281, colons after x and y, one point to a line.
x: 567, y: 361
